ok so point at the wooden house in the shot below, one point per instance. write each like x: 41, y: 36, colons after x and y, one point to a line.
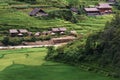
x: 92, y: 11
x: 59, y: 30
x: 104, y: 8
x: 63, y: 29
x: 23, y: 31
x: 37, y: 34
x: 55, y: 30
x: 13, y: 32
x: 38, y: 12
x: 20, y: 35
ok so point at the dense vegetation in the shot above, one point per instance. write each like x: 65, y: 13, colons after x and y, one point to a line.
x: 101, y: 51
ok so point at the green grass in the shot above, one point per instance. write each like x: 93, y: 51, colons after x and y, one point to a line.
x: 15, y: 65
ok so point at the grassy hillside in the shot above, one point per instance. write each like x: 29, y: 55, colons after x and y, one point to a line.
x: 15, y: 65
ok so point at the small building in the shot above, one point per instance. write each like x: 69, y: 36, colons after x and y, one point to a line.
x: 63, y: 29
x: 92, y: 11
x: 20, y: 35
x: 45, y: 33
x: 37, y: 34
x: 23, y: 31
x: 13, y: 32
x: 55, y: 30
x: 104, y: 8
x: 73, y: 32
x: 30, y: 33
x: 38, y: 12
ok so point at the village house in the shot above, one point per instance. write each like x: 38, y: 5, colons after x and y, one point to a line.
x: 59, y: 30
x: 13, y: 32
x: 23, y: 32
x: 38, y: 12
x: 104, y: 8
x: 37, y: 34
x: 92, y: 11
x: 55, y: 30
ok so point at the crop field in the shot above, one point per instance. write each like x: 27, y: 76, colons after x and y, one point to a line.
x: 29, y: 64
x: 19, y: 19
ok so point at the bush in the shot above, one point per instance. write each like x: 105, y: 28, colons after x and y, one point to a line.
x: 11, y: 41
x: 65, y: 14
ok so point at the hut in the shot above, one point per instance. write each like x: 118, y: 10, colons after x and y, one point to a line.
x: 45, y: 33
x: 92, y: 11
x: 23, y: 31
x: 62, y: 29
x: 30, y: 33
x: 38, y: 12
x: 20, y: 35
x: 13, y: 32
x: 37, y: 34
x: 104, y: 8
x: 55, y: 30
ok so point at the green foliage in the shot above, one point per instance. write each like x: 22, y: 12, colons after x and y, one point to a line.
x: 11, y: 41
x: 101, y: 49
x: 28, y: 1
x: 64, y: 14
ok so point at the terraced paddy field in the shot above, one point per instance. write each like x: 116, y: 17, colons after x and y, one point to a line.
x: 29, y: 64
x: 20, y: 19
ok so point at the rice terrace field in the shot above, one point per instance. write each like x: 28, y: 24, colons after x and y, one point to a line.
x: 29, y: 64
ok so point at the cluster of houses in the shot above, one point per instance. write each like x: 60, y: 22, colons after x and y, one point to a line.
x: 101, y: 8
x: 19, y: 33
x: 25, y: 32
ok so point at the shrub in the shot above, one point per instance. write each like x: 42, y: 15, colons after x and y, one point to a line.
x: 15, y: 41
x: 11, y: 41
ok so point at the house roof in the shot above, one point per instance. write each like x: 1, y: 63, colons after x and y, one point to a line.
x: 104, y: 5
x: 62, y: 29
x: 23, y: 30
x: 91, y: 9
x: 13, y: 31
x: 37, y: 33
x: 35, y: 11
x: 55, y: 29
x: 20, y: 34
